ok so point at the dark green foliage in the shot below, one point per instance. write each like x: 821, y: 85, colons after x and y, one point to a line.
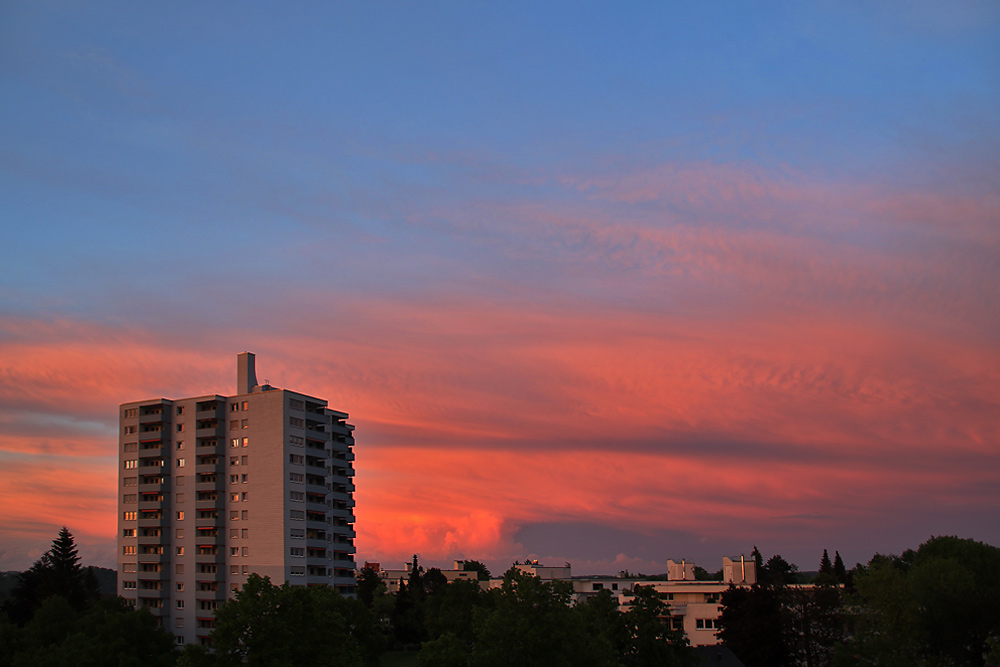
x: 701, y: 574
x: 482, y: 571
x: 650, y: 642
x: 277, y: 625
x: 839, y: 571
x: 532, y: 624
x: 368, y: 586
x: 778, y: 572
x: 57, y: 572
x: 754, y: 625
x: 935, y: 606
x: 825, y: 566
x: 108, y: 633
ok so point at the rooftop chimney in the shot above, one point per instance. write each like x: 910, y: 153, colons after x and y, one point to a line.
x: 246, y: 373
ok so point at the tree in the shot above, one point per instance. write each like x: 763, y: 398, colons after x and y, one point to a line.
x: 57, y: 572
x: 753, y: 625
x: 650, y: 641
x: 275, y: 625
x: 935, y: 606
x: 778, y: 571
x: 839, y: 571
x: 369, y: 584
x: 825, y: 566
x: 108, y: 633
x: 532, y: 625
x: 482, y: 571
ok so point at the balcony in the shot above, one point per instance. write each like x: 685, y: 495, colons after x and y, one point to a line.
x: 153, y: 558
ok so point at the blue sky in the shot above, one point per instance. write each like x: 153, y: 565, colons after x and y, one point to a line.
x: 769, y: 227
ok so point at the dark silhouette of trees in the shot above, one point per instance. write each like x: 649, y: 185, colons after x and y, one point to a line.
x: 57, y: 572
x: 754, y: 625
x: 483, y: 572
x: 935, y: 606
x: 839, y: 571
x: 278, y: 625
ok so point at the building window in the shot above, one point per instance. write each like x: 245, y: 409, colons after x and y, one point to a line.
x: 245, y: 551
x: 179, y: 568
x: 128, y: 516
x: 234, y: 569
x: 244, y: 533
x: 234, y: 497
x: 179, y: 623
x: 128, y: 532
x: 297, y: 534
x: 180, y: 409
x: 128, y: 567
x: 180, y: 604
x: 180, y: 533
x: 128, y: 551
x: 296, y: 404
x: 246, y: 442
x: 297, y: 515
x: 298, y: 570
x: 234, y: 460
x: 246, y: 405
x: 235, y: 442
x: 129, y: 481
x: 297, y: 496
x: 244, y: 460
x: 296, y: 477
x: 180, y: 515
x: 245, y: 423
x: 234, y: 479
x: 128, y: 585
x: 180, y: 480
x: 235, y: 407
x: 244, y: 480
x: 131, y: 446
x: 129, y: 498
x: 296, y: 459
x: 234, y: 515
x: 180, y: 427
x: 180, y: 498
x: 298, y: 552
x: 234, y: 424
x: 296, y: 422
x: 243, y: 497
x: 180, y: 444
x: 129, y: 464
x: 180, y: 551
x: 244, y: 515
x: 180, y: 585
x: 180, y: 463
x: 234, y: 551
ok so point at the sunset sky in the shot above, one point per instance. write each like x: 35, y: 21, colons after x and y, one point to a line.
x: 598, y: 282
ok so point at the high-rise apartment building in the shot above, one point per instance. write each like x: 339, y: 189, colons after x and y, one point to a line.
x: 214, y: 488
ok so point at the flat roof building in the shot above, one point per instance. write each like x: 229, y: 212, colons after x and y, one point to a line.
x: 214, y: 488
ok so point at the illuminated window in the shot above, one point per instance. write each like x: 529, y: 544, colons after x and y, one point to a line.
x: 180, y: 515
x: 180, y: 463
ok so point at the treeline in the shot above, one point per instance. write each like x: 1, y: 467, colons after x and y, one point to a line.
x: 55, y: 616
x: 938, y: 606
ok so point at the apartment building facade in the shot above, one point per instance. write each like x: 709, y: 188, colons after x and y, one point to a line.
x: 214, y: 488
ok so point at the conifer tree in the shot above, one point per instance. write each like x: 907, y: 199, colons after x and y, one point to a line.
x: 839, y: 571
x: 825, y: 566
